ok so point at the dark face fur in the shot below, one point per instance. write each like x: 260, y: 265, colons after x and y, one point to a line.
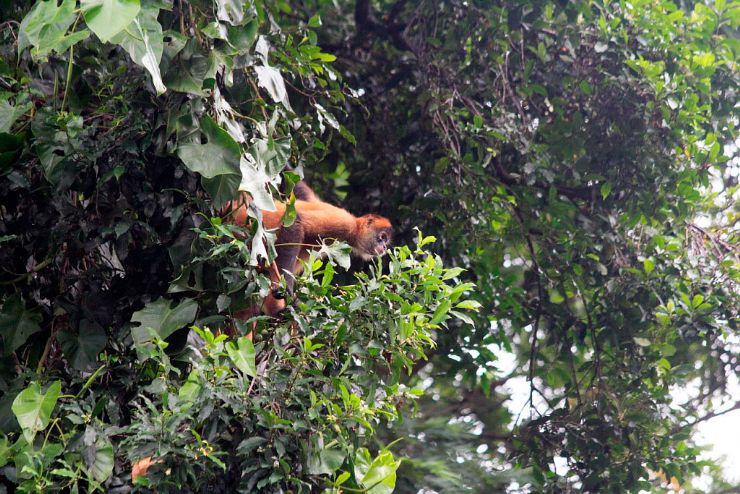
x: 374, y: 236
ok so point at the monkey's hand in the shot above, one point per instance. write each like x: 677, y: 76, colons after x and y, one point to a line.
x: 279, y: 292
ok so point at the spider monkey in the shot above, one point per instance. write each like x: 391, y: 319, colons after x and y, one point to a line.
x: 369, y: 235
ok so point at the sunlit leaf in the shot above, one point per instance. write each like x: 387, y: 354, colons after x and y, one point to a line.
x: 106, y: 18
x: 33, y: 409
x: 243, y: 355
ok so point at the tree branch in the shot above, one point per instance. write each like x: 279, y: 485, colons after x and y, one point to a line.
x: 708, y: 416
x: 366, y: 21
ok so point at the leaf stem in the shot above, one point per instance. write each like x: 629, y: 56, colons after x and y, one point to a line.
x: 69, y: 65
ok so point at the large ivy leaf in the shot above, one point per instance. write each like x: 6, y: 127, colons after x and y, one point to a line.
x: 164, y: 320
x: 143, y: 41
x: 10, y: 148
x: 222, y: 188
x: 99, y: 458
x: 56, y: 139
x: 269, y: 77
x: 231, y: 11
x: 106, y: 18
x: 17, y: 323
x: 321, y: 460
x: 32, y: 408
x: 378, y: 475
x: 218, y: 156
x: 271, y: 155
x: 255, y: 181
x: 338, y: 253
x: 261, y: 241
x: 10, y: 113
x: 45, y: 28
x: 243, y: 37
x: 243, y: 355
x: 188, y: 70
x: 82, y: 349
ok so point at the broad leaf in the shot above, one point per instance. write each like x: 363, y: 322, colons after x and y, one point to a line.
x: 10, y: 113
x: 219, y: 156
x: 271, y: 156
x: 162, y: 319
x: 231, y: 11
x: 106, y: 18
x: 82, y: 349
x: 255, y: 181
x: 17, y: 323
x: 56, y: 140
x: 222, y: 188
x: 338, y: 253
x: 243, y: 355
x: 377, y: 476
x: 188, y: 70
x: 270, y: 79
x: 45, y: 28
x: 142, y: 39
x: 32, y: 408
x: 99, y: 459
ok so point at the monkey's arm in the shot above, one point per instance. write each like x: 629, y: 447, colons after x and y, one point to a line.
x: 304, y: 193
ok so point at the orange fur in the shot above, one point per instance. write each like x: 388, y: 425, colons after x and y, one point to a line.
x: 369, y: 236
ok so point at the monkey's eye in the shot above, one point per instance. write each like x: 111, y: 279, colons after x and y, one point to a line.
x: 383, y: 237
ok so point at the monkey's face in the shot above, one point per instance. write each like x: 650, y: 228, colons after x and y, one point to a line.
x: 374, y: 236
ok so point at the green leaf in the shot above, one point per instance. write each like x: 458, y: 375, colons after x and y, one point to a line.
x: 667, y: 350
x: 189, y: 69
x: 255, y: 180
x: 219, y: 156
x: 270, y: 79
x: 377, y: 476
x: 162, y: 319
x: 648, y: 265
x: 606, y: 189
x: 556, y: 297
x: 231, y: 11
x: 328, y: 275
x: 469, y: 304
x: 82, y: 349
x: 325, y: 461
x: 243, y: 37
x: 106, y: 18
x: 452, y: 273
x: 222, y: 188
x: 143, y: 41
x: 338, y: 253
x: 33, y: 409
x: 56, y: 140
x: 314, y: 21
x: 99, y: 460
x: 45, y: 28
x: 696, y: 301
x: 586, y: 89
x: 10, y: 148
x: 5, y: 450
x: 17, y: 323
x: 441, y: 313
x: 643, y: 342
x: 243, y: 356
x: 9, y: 113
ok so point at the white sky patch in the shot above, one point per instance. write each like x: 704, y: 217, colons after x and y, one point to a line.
x: 720, y: 435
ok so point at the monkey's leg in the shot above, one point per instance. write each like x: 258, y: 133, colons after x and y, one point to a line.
x: 288, y: 246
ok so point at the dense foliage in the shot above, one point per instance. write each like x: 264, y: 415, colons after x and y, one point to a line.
x: 573, y: 157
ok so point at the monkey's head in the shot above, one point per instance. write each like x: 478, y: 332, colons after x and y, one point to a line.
x: 374, y: 235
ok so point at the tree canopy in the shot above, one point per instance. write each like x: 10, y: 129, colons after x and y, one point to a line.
x: 564, y: 191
